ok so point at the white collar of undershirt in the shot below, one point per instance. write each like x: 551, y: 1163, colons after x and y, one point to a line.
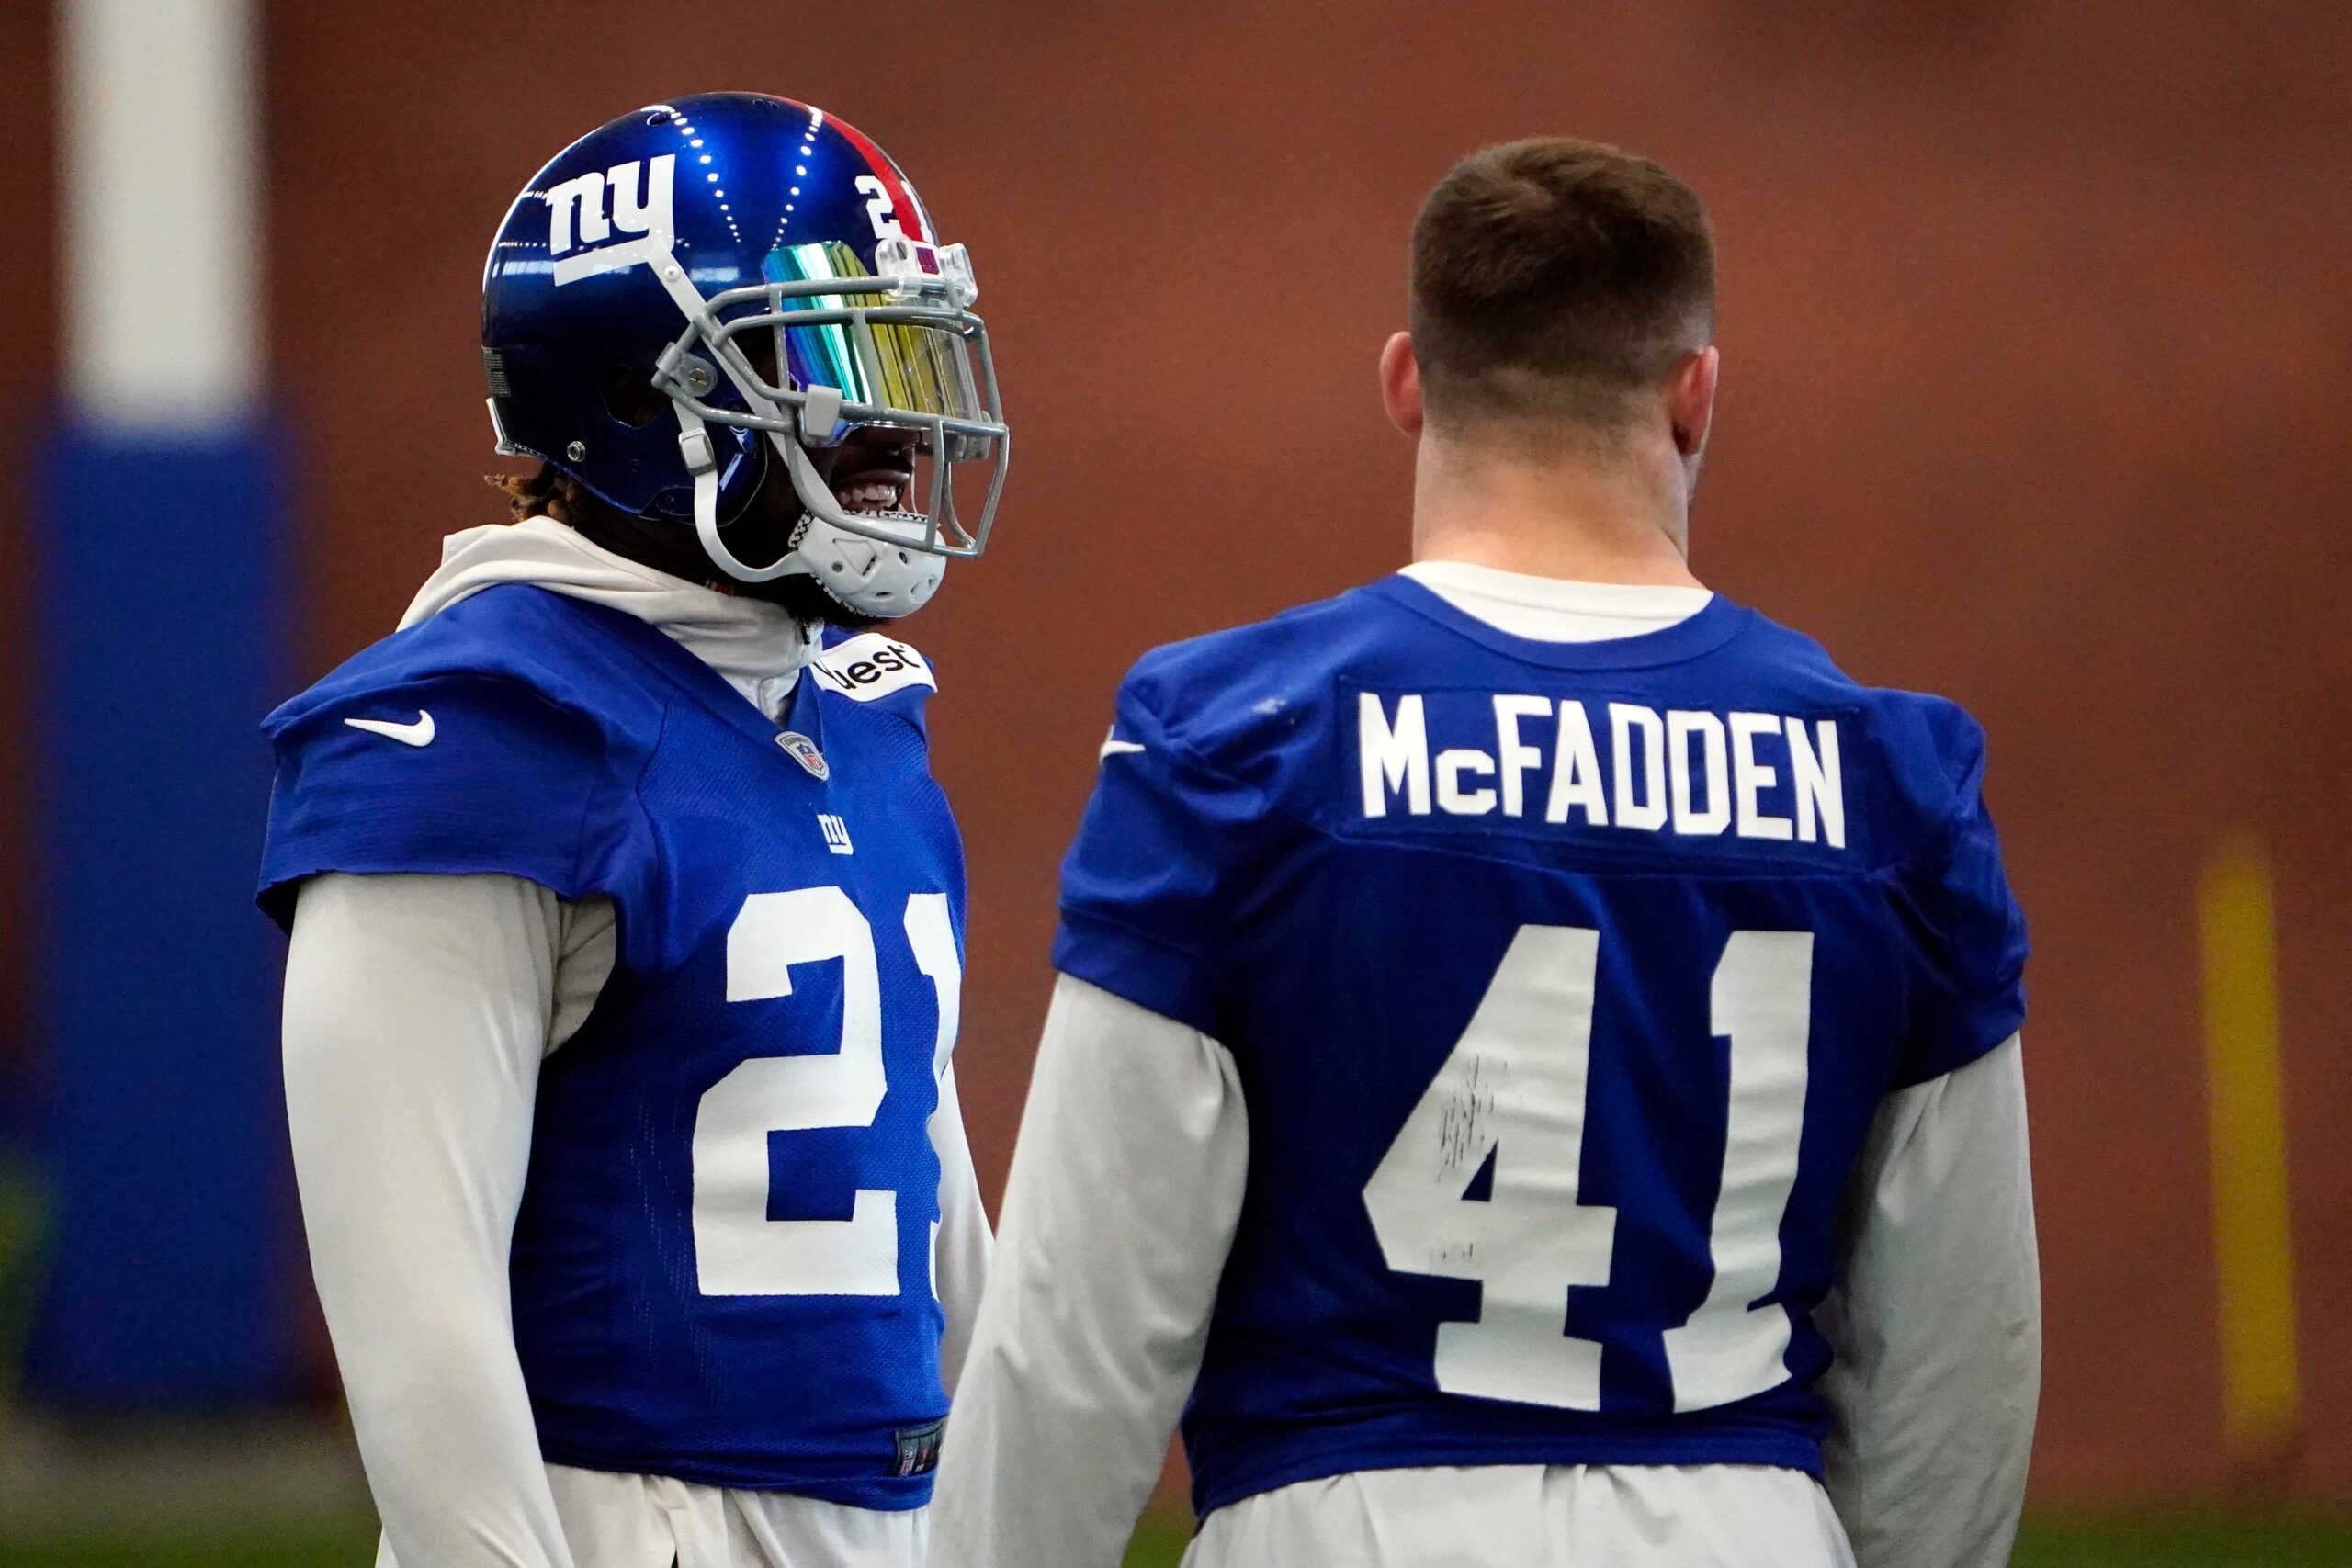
x: 1556, y: 609
x: 757, y: 646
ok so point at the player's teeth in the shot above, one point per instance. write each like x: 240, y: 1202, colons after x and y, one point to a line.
x: 870, y: 497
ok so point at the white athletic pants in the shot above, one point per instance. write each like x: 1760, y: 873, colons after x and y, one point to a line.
x: 1721, y: 1516
x: 653, y: 1521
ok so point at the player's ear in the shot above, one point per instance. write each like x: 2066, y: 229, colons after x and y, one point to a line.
x: 1691, y: 401
x: 1400, y: 384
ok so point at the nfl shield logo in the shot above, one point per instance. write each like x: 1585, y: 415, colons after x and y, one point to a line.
x: 804, y: 751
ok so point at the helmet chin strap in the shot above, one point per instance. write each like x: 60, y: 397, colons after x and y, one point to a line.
x: 866, y: 576
x: 702, y: 461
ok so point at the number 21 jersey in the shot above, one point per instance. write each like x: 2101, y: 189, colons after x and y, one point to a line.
x: 1564, y: 981
x: 721, y: 1266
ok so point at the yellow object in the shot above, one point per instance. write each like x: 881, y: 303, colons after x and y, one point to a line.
x: 2261, y: 1391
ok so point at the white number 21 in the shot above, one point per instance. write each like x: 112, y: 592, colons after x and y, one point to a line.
x: 1514, y: 1089
x: 739, y: 1251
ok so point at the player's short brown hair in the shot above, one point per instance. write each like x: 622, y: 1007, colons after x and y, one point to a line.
x: 1554, y: 279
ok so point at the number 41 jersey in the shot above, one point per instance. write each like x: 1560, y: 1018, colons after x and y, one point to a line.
x: 1563, y: 980
x: 721, y: 1268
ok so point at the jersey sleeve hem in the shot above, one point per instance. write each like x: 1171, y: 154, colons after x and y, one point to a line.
x: 282, y: 886
x: 1155, y: 975
x: 1975, y: 1030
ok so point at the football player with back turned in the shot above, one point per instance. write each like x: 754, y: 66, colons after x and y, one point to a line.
x: 626, y: 918
x: 1537, y: 1050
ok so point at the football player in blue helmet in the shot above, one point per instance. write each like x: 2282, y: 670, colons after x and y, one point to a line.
x: 665, y: 324
x: 627, y: 920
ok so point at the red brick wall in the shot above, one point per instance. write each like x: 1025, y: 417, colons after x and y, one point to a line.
x: 2037, y: 345
x: 28, y: 351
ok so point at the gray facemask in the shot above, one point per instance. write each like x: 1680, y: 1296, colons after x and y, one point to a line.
x: 905, y: 352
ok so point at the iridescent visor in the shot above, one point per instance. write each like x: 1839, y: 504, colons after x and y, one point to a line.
x: 903, y: 349
x: 893, y: 365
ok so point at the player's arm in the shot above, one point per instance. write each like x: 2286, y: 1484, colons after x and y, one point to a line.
x: 417, y: 1010
x: 1937, y: 1326
x: 960, y: 1261
x: 1127, y: 1180
x: 1126, y: 1188
x: 431, y: 876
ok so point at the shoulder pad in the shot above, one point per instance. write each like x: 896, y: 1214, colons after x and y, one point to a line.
x: 1250, y: 701
x: 451, y: 774
x: 511, y: 637
x: 870, y: 665
x: 494, y: 737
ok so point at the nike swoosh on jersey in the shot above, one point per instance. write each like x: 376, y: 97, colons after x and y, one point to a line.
x: 1114, y: 746
x: 417, y: 734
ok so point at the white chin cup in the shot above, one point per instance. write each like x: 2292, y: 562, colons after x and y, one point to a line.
x: 866, y: 575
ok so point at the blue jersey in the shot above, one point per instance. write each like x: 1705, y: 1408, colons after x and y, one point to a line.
x: 1563, y: 980
x: 721, y: 1267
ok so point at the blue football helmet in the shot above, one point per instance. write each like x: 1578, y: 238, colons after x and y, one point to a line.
x: 707, y: 245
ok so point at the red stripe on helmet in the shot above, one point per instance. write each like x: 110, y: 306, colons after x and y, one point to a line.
x: 904, y: 207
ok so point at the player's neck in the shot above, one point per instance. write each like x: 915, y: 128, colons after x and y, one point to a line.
x: 1621, y: 519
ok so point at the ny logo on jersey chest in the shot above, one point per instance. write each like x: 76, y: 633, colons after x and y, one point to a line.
x: 836, y: 833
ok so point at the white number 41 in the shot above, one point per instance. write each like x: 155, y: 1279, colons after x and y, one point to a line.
x: 1513, y: 1087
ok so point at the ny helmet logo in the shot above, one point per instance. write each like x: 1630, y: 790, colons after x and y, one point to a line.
x: 641, y: 203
